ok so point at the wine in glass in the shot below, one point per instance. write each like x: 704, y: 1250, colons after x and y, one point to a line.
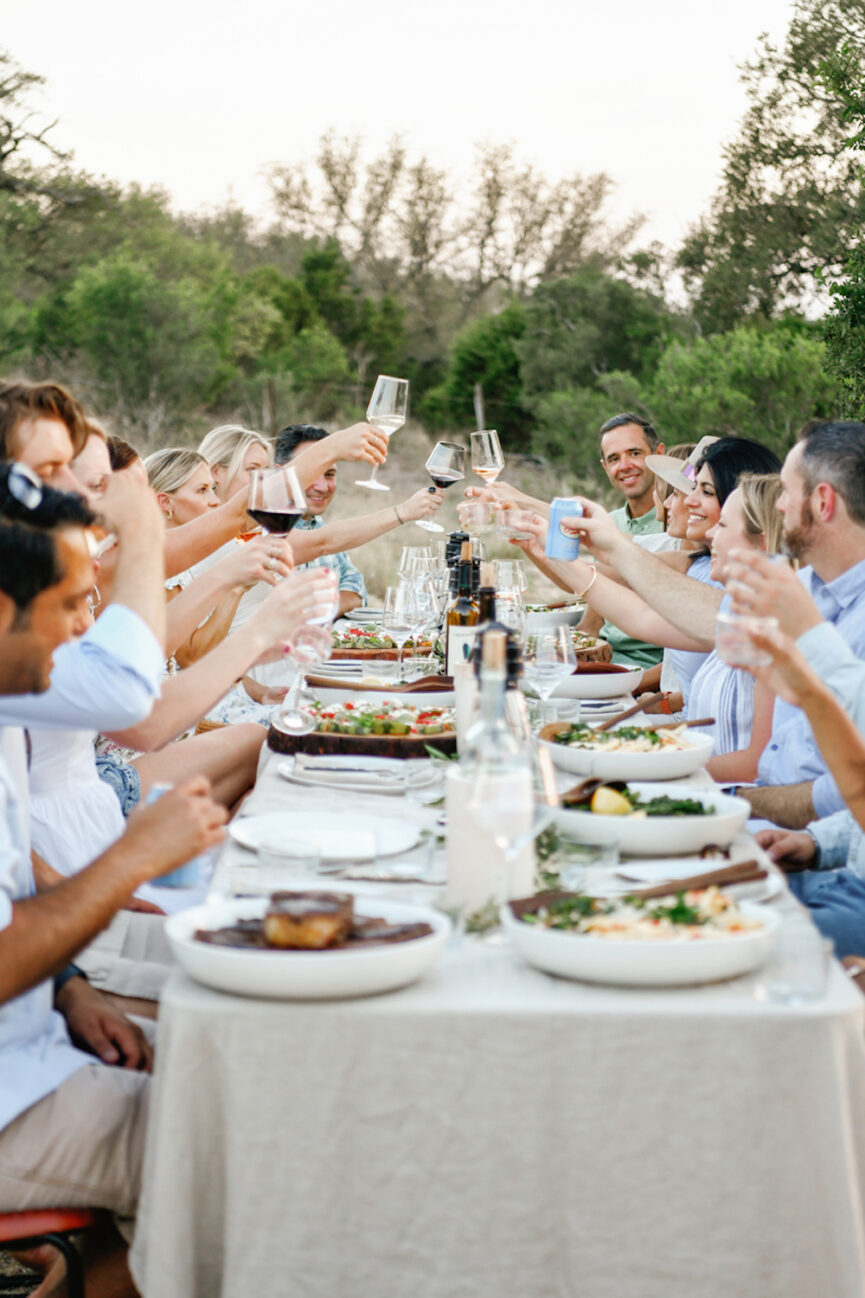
x: 548, y: 659
x: 386, y: 411
x: 446, y: 465
x: 276, y: 500
x: 487, y: 458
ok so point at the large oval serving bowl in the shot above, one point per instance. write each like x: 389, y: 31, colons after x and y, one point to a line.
x: 665, y: 764
x: 660, y: 835
x: 603, y: 684
x: 539, y: 619
x: 305, y: 975
x: 645, y: 964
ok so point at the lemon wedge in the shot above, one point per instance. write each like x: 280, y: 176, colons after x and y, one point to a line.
x: 609, y: 802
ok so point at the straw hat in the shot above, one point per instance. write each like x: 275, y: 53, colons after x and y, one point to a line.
x: 681, y: 474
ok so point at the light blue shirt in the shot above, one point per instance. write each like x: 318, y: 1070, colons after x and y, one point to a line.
x: 348, y: 577
x: 839, y: 837
x: 107, y: 680
x: 792, y: 755
x: 36, y: 1055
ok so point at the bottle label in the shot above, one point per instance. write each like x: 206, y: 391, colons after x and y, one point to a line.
x: 461, y: 641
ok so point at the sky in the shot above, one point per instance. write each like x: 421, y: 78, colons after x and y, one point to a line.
x: 200, y: 99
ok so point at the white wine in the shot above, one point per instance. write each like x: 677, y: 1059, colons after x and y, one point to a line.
x: 387, y: 424
x: 489, y: 472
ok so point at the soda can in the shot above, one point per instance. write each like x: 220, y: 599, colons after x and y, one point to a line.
x: 563, y: 542
x: 185, y: 876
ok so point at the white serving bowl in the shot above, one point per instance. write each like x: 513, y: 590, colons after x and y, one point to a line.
x: 305, y: 975
x: 645, y: 964
x: 667, y: 764
x: 572, y: 615
x: 597, y: 685
x: 660, y: 835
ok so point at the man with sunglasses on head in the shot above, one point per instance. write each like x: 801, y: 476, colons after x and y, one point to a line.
x: 71, y: 1129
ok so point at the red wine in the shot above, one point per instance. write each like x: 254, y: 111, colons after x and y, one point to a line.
x: 277, y: 521
x: 443, y: 480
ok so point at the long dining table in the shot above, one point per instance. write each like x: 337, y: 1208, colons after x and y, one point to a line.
x: 495, y: 1131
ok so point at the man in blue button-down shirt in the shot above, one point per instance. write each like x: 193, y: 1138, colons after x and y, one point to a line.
x: 823, y: 503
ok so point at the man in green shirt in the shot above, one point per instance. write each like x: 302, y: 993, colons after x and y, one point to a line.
x: 626, y: 440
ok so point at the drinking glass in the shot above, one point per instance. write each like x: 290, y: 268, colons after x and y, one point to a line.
x: 733, y: 639
x: 329, y: 607
x: 386, y: 411
x: 408, y: 558
x: 797, y: 971
x: 275, y: 500
x: 510, y: 573
x: 309, y: 647
x: 398, y: 618
x: 475, y: 516
x: 549, y: 658
x: 487, y: 458
x: 446, y: 465
x: 285, y: 863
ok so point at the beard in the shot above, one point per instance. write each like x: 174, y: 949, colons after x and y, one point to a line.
x: 796, y: 541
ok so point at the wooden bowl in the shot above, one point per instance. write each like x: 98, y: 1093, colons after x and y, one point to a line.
x: 388, y: 655
x: 321, y: 743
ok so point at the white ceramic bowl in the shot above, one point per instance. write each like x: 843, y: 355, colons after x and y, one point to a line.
x: 667, y: 764
x: 572, y: 615
x: 660, y: 835
x: 305, y: 975
x: 597, y: 685
x: 645, y: 964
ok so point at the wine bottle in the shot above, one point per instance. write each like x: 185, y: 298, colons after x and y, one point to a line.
x: 489, y: 799
x: 462, y: 615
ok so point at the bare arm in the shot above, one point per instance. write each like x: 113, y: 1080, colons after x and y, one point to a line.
x: 187, y: 696
x: 351, y: 533
x: 741, y: 766
x: 359, y: 442
x: 789, y: 805
x: 50, y: 928
x: 130, y: 511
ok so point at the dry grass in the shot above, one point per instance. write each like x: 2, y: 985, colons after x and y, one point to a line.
x: 404, y: 473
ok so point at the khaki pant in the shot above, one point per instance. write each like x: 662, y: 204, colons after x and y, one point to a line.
x: 80, y: 1147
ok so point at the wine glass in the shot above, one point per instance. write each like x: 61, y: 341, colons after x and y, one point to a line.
x: 386, y: 411
x: 329, y: 607
x: 408, y: 558
x: 548, y: 659
x: 398, y: 618
x: 309, y: 647
x: 276, y: 500
x: 487, y: 458
x: 446, y: 465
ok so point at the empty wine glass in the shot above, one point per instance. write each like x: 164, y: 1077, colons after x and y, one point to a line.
x: 445, y: 465
x: 387, y: 410
x: 408, y: 558
x: 487, y: 458
x: 398, y: 617
x: 308, y: 647
x: 275, y: 499
x: 548, y: 659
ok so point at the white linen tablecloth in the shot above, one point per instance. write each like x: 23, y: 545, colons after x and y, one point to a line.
x: 493, y: 1132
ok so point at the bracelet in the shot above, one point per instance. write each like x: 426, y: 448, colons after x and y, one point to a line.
x: 398, y: 519
x: 592, y: 581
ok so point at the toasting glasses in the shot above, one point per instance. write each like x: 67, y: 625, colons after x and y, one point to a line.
x: 386, y: 411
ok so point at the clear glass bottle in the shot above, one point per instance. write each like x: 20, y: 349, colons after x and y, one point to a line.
x: 462, y: 615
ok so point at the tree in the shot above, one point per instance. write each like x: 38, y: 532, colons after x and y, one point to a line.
x: 791, y: 196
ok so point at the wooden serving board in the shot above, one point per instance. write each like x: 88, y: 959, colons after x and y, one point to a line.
x: 361, y: 745
x: 385, y: 655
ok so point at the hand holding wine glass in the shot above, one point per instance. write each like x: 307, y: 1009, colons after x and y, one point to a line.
x: 387, y: 410
x: 445, y: 465
x: 487, y: 459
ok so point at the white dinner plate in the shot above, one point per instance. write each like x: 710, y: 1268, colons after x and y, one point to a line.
x: 666, y: 764
x: 645, y: 964
x: 364, y: 615
x: 385, y: 775
x: 660, y: 835
x: 305, y: 975
x: 597, y: 685
x: 339, y: 838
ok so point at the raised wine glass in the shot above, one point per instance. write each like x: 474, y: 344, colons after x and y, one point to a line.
x: 446, y: 465
x: 276, y: 500
x: 386, y: 411
x: 487, y: 458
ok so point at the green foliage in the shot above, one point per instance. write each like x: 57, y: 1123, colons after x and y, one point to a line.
x: 568, y: 421
x: 484, y: 352
x: 757, y: 382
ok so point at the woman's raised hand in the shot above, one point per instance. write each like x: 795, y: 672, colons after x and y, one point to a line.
x: 265, y: 558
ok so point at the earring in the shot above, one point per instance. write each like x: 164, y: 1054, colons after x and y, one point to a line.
x: 170, y: 514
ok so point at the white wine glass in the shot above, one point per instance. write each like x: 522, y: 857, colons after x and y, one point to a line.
x: 446, y: 465
x: 275, y: 499
x: 487, y: 458
x: 398, y: 618
x: 548, y: 659
x: 387, y: 410
x: 310, y: 646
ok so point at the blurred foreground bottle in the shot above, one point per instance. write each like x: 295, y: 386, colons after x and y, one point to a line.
x: 490, y: 850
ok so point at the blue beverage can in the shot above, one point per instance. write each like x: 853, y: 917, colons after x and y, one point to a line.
x: 185, y: 876
x: 563, y: 542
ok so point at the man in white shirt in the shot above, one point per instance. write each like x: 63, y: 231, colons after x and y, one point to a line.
x: 71, y: 1129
